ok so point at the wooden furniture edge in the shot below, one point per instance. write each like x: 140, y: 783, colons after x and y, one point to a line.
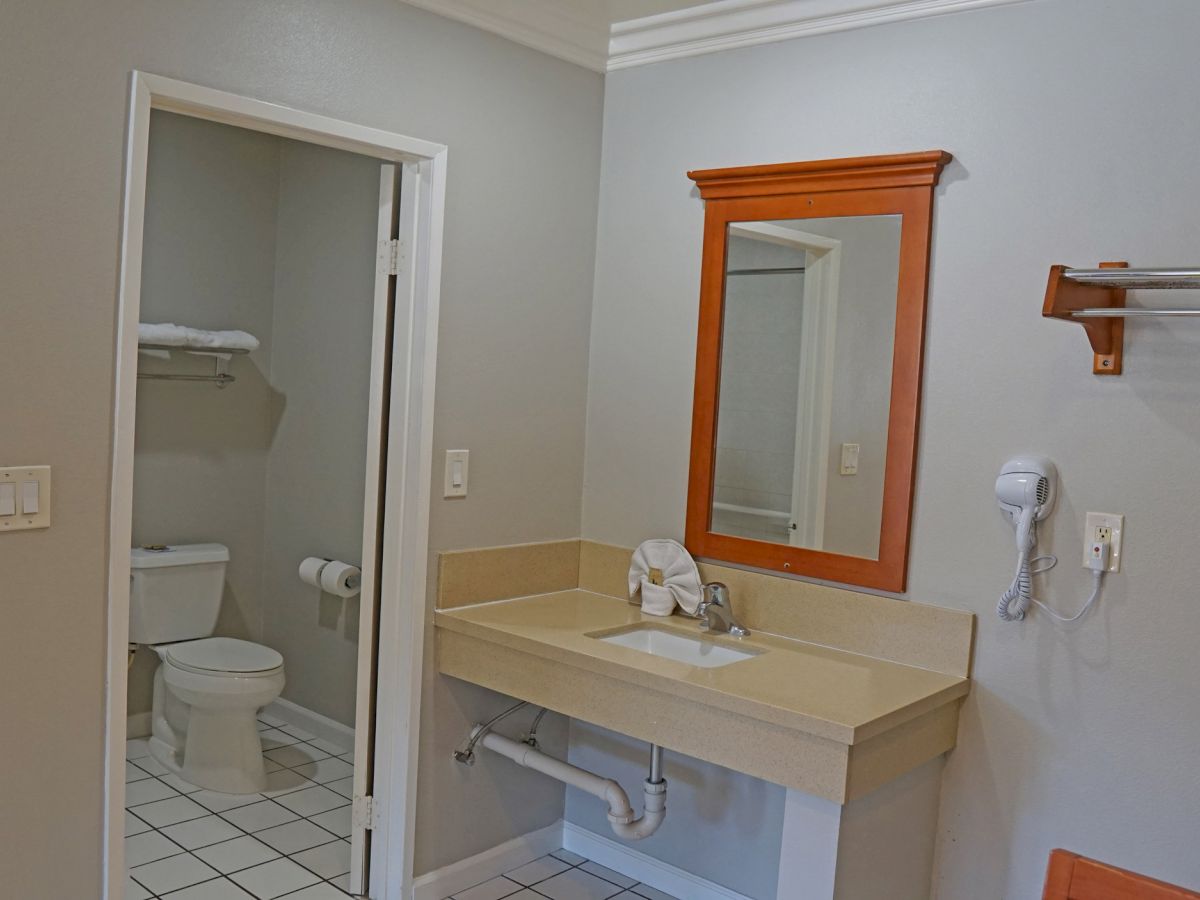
x: 1106, y: 336
x: 923, y: 168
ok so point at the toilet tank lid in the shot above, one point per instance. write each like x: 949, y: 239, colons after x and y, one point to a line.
x: 161, y: 556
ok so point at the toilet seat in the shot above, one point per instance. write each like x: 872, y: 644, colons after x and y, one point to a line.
x: 224, y: 656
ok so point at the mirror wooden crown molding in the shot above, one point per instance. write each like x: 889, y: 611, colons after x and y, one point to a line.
x: 891, y: 185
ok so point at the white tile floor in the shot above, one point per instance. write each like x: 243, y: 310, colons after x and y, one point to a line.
x: 562, y: 875
x: 184, y: 843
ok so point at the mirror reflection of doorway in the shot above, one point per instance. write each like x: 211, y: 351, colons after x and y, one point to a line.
x: 806, y: 353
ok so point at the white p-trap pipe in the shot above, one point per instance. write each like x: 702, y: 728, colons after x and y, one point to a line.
x: 620, y: 814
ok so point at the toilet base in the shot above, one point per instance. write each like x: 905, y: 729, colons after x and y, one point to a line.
x: 213, y: 741
x: 213, y: 766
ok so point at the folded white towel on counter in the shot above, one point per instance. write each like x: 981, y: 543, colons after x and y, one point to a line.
x: 168, y: 334
x: 681, y: 583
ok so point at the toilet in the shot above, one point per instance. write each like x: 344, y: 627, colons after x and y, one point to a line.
x: 207, y: 690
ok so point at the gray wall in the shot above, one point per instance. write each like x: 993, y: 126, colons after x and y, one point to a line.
x: 1081, y: 736
x: 523, y: 131
x: 320, y: 378
x: 200, y: 457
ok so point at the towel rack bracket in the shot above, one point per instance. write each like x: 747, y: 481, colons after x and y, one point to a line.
x: 1065, y: 295
x: 1095, y: 300
x: 220, y: 356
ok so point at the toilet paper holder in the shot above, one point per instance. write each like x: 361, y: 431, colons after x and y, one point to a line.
x: 332, y: 576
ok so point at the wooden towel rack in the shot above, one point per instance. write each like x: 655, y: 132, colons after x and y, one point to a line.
x: 1095, y: 298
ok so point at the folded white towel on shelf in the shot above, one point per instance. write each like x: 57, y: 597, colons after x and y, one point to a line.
x: 168, y: 334
x: 681, y: 583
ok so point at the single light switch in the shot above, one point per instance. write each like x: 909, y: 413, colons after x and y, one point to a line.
x: 849, y: 459
x: 455, y: 481
x: 24, y: 498
x: 29, y: 498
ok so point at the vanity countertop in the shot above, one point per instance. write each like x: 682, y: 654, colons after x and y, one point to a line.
x: 845, y: 697
x: 827, y: 721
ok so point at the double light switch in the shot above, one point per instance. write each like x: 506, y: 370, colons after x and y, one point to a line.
x: 24, y: 498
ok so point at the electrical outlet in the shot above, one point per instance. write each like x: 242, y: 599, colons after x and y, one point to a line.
x: 1104, y: 527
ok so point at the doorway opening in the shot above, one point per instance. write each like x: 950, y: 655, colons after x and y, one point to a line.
x: 272, y: 456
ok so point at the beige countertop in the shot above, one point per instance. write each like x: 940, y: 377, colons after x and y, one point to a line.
x: 845, y: 691
x: 832, y: 694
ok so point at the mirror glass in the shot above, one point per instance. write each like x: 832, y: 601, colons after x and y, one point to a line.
x: 806, y: 353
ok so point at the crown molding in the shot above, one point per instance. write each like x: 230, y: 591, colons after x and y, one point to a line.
x: 578, y: 31
x: 727, y: 24
x: 565, y: 30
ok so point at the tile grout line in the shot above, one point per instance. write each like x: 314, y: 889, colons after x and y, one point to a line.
x: 533, y: 886
x: 334, y: 838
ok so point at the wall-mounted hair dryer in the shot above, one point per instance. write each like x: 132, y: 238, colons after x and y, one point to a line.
x: 1026, y: 490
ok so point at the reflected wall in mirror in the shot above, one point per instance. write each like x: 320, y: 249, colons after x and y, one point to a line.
x: 806, y: 361
x: 808, y: 365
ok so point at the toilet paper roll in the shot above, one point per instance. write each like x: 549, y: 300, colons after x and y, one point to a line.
x: 310, y: 570
x: 340, y: 579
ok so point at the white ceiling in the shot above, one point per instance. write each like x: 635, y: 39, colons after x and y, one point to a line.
x: 614, y: 34
x: 624, y: 10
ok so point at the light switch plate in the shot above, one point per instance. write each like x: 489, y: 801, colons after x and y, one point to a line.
x: 456, y: 473
x: 24, y: 479
x: 849, y: 464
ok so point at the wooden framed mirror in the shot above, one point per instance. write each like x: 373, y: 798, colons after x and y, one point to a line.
x: 808, y: 365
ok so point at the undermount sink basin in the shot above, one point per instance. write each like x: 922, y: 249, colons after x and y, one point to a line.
x: 695, y: 651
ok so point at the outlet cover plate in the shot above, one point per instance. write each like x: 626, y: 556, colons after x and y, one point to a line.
x: 1092, y: 532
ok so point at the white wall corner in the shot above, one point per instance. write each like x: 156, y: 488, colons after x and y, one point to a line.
x: 567, y: 29
x: 727, y: 24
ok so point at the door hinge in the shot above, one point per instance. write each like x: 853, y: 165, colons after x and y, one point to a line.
x: 391, y: 257
x: 364, y: 812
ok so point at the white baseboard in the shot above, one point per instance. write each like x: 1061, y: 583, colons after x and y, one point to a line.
x: 646, y: 869
x: 139, y: 724
x: 315, y: 723
x: 489, y: 864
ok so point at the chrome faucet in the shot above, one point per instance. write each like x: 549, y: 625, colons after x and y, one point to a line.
x: 716, y: 609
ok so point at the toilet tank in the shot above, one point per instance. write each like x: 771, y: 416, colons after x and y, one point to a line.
x: 175, y: 592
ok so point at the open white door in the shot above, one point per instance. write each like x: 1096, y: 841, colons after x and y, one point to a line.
x: 373, y: 509
x: 818, y: 332
x: 399, y: 467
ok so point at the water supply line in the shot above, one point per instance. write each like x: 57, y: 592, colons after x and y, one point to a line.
x: 621, y: 816
x: 466, y: 753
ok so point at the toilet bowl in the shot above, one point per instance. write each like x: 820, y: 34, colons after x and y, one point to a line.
x: 207, y: 694
x: 207, y: 690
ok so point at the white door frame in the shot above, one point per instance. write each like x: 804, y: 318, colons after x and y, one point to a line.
x: 818, y: 336
x: 409, y: 461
